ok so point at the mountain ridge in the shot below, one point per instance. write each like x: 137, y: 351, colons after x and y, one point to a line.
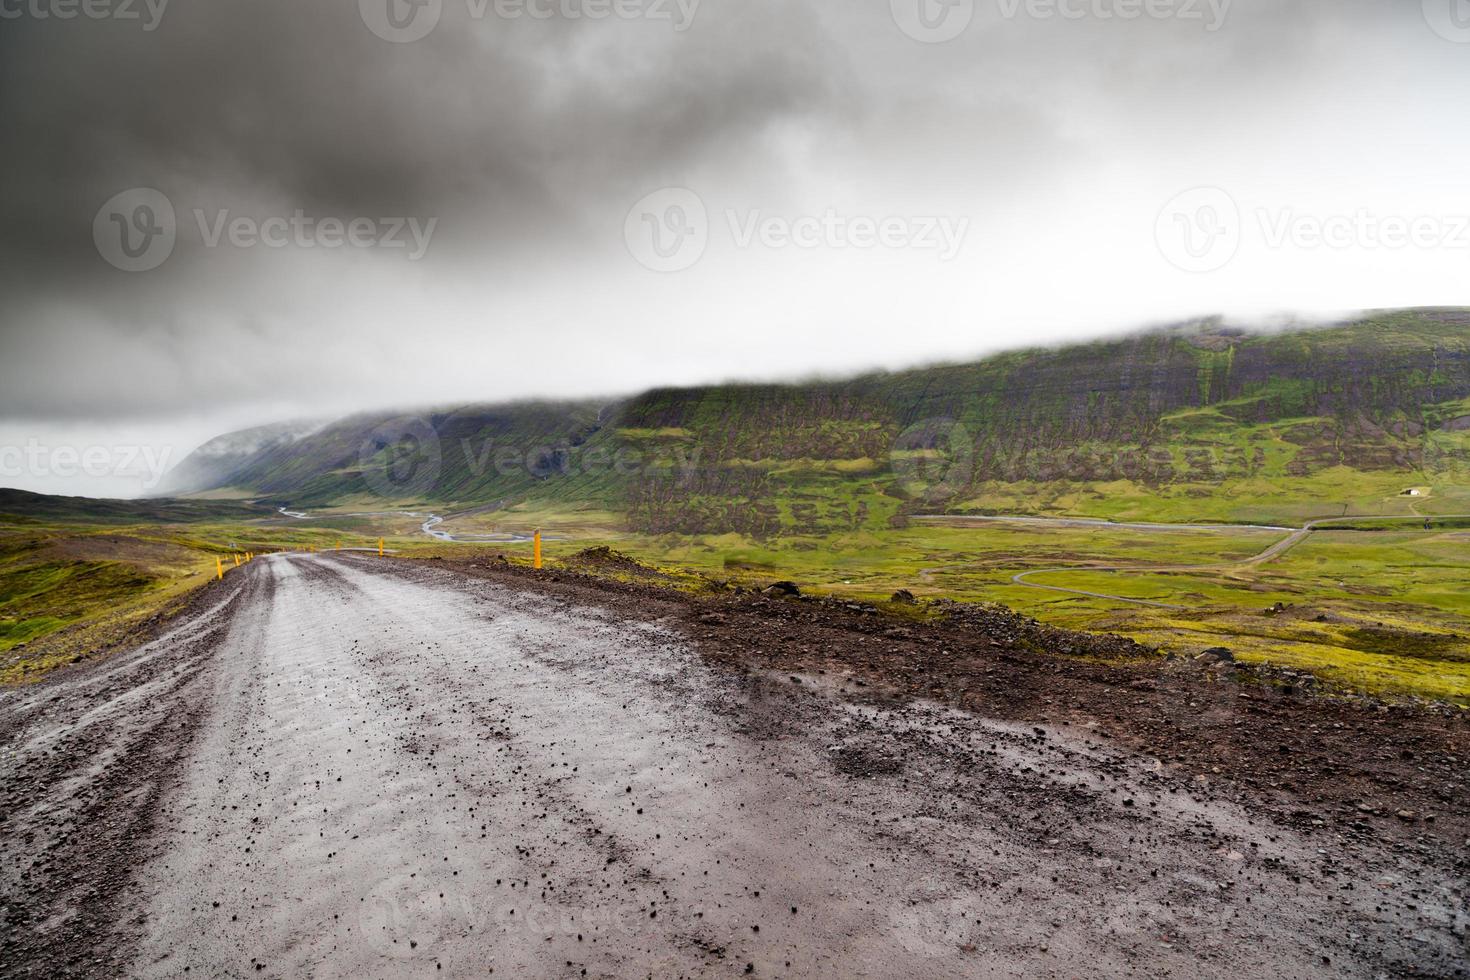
x: 1186, y: 409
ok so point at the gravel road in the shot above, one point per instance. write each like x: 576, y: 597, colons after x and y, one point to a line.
x: 344, y: 766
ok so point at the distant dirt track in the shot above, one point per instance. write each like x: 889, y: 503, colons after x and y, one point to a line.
x: 346, y: 766
x: 1276, y: 550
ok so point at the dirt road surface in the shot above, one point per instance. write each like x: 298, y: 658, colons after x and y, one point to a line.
x: 344, y: 766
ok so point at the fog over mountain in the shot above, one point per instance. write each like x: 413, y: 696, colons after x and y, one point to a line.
x: 571, y: 199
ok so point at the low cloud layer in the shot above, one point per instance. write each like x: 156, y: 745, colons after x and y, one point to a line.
x: 357, y: 219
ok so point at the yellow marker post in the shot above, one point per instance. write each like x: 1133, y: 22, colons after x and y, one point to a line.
x: 237, y: 560
x: 380, y: 547
x: 536, y: 548
x: 339, y: 545
x: 219, y: 568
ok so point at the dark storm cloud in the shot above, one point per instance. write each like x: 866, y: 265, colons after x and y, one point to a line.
x: 519, y: 120
x: 527, y: 141
x: 225, y: 103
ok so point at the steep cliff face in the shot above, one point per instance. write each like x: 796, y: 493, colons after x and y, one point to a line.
x: 455, y: 454
x: 1192, y: 407
x: 1360, y: 386
x: 226, y: 459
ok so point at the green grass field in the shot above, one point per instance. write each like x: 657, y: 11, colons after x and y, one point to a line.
x: 1382, y: 609
x: 70, y: 588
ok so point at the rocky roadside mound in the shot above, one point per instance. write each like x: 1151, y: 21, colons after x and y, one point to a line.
x: 1350, y: 766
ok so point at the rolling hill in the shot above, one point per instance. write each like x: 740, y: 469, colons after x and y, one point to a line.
x: 1198, y: 421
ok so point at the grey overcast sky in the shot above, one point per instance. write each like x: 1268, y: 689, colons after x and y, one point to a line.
x: 219, y: 213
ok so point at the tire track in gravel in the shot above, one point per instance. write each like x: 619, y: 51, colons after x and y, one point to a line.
x: 88, y: 756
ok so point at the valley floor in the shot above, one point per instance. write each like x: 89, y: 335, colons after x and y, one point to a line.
x: 345, y: 765
x: 1373, y: 604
